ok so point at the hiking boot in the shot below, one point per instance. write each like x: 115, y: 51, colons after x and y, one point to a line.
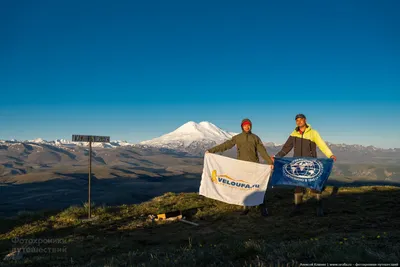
x: 264, y: 211
x: 245, y: 211
x: 296, y: 211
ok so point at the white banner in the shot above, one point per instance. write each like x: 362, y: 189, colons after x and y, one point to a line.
x: 234, y: 181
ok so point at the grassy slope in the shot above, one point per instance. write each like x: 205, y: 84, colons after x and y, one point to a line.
x: 363, y: 225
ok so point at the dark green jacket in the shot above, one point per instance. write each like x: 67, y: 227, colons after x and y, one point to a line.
x: 248, y: 145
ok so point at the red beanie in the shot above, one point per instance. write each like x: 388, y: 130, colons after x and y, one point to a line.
x: 245, y: 123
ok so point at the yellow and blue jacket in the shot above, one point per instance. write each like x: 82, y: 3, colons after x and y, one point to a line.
x: 304, y: 144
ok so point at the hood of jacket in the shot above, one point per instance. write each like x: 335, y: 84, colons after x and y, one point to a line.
x: 248, y: 120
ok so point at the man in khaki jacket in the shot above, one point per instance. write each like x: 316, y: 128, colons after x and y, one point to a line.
x: 248, y: 145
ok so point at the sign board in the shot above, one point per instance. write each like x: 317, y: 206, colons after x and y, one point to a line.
x: 90, y: 138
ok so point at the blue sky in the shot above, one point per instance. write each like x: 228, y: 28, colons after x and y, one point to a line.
x: 135, y: 70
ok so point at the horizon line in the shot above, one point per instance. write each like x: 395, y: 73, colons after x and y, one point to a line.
x: 138, y: 143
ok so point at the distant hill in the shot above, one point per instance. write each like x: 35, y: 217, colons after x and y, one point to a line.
x: 182, y: 148
x: 18, y: 158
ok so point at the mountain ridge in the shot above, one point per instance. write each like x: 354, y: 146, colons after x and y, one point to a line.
x: 190, y: 134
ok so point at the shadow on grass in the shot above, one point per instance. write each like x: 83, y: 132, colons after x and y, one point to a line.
x: 24, y: 217
x: 79, y: 176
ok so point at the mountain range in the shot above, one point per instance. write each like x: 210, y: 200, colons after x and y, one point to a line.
x: 38, y: 173
x: 191, y: 137
x: 190, y: 140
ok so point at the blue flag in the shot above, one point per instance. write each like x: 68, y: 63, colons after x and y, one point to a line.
x: 305, y: 172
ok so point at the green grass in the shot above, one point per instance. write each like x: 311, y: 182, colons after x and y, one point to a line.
x: 362, y: 225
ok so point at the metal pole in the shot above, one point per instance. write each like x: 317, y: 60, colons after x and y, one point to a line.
x: 90, y: 174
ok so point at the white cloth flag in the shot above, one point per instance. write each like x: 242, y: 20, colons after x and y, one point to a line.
x: 234, y: 181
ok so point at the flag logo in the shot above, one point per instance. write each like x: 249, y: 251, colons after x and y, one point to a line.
x: 228, y: 181
x: 303, y: 169
x: 214, y: 176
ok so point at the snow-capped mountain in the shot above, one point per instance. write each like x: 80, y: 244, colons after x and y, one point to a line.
x: 191, y: 132
x: 191, y: 137
x: 196, y: 138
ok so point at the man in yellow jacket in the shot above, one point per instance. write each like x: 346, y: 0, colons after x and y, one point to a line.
x: 305, y: 140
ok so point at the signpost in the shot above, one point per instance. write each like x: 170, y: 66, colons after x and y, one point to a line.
x: 90, y: 139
